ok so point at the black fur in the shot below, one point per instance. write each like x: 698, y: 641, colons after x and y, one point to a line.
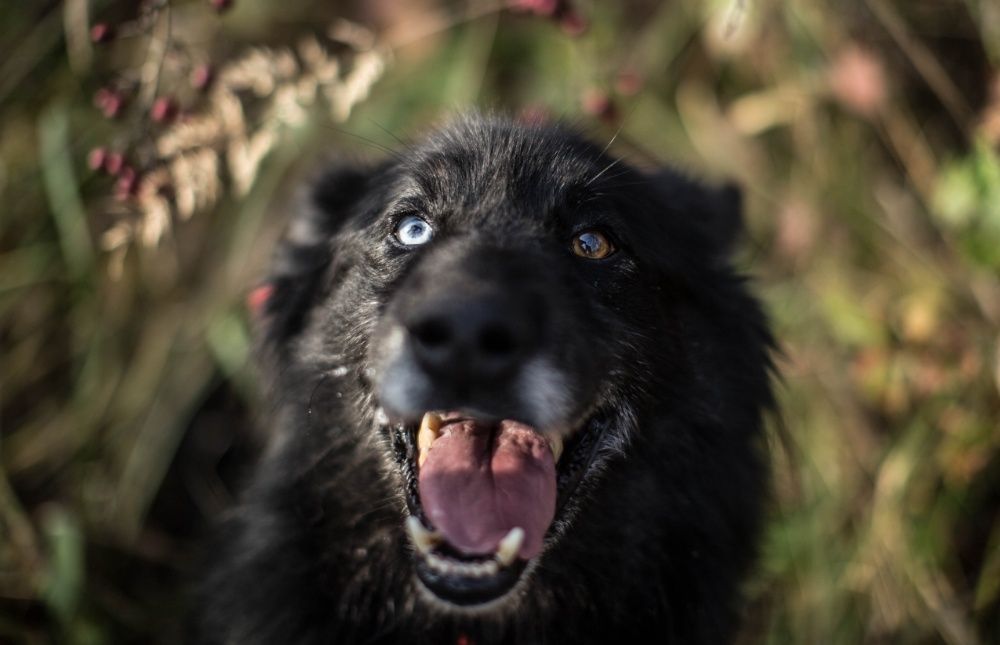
x: 653, y: 542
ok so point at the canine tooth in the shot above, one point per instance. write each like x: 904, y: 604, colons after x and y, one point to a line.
x: 509, y: 546
x: 423, y: 539
x: 430, y: 428
x: 556, y: 443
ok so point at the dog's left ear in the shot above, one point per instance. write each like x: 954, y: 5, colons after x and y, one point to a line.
x: 705, y: 222
x: 721, y: 218
x: 280, y: 304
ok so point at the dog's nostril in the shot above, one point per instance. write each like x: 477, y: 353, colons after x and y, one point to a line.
x: 497, y: 340
x: 432, y: 333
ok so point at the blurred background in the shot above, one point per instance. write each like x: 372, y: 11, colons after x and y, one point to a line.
x: 150, y: 153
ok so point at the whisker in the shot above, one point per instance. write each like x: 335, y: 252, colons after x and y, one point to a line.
x: 375, y: 144
x: 609, y: 144
x: 613, y: 137
x: 389, y: 132
x: 606, y: 168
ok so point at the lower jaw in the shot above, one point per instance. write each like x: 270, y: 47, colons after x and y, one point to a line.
x: 459, y: 584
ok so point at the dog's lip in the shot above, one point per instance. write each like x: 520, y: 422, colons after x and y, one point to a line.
x: 471, y: 580
x: 467, y: 584
x: 461, y: 579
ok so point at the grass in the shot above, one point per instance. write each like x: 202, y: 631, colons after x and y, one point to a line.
x: 864, y: 133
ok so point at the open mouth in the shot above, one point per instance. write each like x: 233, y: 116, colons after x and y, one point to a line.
x: 483, y: 496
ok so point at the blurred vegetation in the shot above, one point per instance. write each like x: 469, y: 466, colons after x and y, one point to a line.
x: 866, y: 134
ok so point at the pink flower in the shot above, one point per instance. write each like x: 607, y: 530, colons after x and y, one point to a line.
x: 857, y: 80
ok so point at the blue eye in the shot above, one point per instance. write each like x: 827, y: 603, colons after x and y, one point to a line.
x: 414, y: 231
x: 592, y: 245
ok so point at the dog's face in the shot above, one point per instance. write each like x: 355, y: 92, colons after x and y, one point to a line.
x: 499, y: 314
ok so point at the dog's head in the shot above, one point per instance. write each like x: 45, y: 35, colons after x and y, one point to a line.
x: 504, y: 310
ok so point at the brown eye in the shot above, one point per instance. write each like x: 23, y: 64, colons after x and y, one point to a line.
x: 592, y: 245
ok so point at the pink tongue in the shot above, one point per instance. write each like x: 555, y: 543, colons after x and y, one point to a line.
x: 478, y: 483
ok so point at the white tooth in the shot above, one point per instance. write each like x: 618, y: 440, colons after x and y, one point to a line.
x: 509, y: 546
x: 423, y: 539
x: 430, y: 427
x: 436, y: 562
x: 556, y: 443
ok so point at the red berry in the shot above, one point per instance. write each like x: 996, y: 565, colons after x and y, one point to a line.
x: 595, y: 101
x: 96, y: 158
x: 101, y: 97
x: 113, y: 106
x: 629, y: 82
x: 534, y: 115
x: 109, y: 102
x: 164, y: 109
x: 572, y: 22
x: 128, y: 180
x: 101, y: 32
x: 113, y: 162
x: 537, y: 7
x: 221, y: 5
x: 202, y: 76
x: 257, y: 299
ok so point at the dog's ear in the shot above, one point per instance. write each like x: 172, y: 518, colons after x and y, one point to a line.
x: 279, y: 305
x: 712, y: 215
x: 682, y: 230
x: 721, y: 217
x: 700, y: 224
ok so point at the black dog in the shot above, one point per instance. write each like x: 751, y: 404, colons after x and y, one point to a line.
x: 517, y: 391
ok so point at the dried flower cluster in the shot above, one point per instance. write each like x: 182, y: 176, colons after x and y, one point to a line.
x: 249, y: 104
x: 184, y: 155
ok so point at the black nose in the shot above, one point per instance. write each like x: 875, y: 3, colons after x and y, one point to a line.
x: 478, y: 339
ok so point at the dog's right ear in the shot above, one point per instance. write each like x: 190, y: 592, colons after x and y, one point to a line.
x: 280, y: 304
